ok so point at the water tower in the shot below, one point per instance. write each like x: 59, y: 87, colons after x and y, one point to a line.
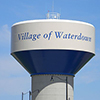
x: 52, y: 51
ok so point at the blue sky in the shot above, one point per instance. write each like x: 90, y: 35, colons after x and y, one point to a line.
x: 13, y: 78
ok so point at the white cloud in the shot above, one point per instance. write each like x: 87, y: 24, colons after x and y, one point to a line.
x: 13, y: 78
x: 4, y: 34
x: 91, y: 71
x: 88, y: 75
x: 14, y: 86
x: 8, y: 64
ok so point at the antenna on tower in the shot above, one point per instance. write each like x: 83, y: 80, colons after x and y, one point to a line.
x: 53, y: 6
x: 53, y: 15
x: 60, y: 11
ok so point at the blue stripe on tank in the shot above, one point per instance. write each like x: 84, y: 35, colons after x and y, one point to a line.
x: 53, y: 61
x: 55, y: 73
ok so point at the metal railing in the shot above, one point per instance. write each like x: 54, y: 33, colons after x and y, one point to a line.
x: 30, y: 94
x: 53, y: 15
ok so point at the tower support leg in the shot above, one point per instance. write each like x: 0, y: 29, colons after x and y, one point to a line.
x: 52, y: 87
